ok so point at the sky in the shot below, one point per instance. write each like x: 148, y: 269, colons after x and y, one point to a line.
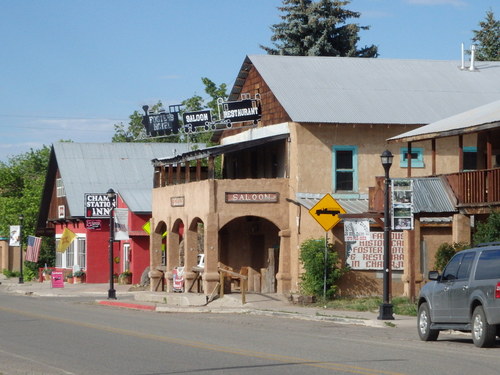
x: 72, y: 69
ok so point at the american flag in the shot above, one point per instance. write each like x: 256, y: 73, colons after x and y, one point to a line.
x: 33, y: 248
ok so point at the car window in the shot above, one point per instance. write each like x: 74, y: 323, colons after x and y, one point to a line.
x: 488, y: 265
x: 451, y: 270
x: 465, y: 266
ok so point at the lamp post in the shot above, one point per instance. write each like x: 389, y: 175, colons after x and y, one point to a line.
x: 385, y: 311
x: 111, y: 197
x: 21, y: 221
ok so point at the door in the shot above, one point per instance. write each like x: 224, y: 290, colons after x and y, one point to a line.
x: 441, y: 296
x: 459, y: 291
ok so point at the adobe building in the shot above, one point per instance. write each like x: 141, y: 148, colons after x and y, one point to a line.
x: 80, y: 170
x: 324, y: 123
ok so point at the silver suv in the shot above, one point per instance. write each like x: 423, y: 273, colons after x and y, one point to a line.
x: 466, y: 297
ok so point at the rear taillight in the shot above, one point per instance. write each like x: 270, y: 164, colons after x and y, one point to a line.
x: 497, y: 290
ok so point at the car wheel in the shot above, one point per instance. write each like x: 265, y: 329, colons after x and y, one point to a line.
x: 483, y: 334
x: 424, y: 324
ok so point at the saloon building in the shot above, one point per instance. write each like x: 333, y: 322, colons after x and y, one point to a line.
x: 324, y: 123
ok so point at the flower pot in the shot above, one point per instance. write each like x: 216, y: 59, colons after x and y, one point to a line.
x: 124, y: 280
x: 77, y: 279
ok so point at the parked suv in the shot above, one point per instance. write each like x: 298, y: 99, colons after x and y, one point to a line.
x: 466, y: 297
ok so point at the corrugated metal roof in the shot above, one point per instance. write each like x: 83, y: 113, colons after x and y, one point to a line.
x: 125, y: 167
x: 351, y: 206
x: 480, y: 118
x: 430, y: 195
x: 373, y: 91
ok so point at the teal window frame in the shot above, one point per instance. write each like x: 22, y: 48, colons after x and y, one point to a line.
x: 353, y: 170
x: 471, y: 149
x: 415, y: 163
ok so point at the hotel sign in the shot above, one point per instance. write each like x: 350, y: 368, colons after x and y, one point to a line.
x: 98, y: 206
x: 253, y: 197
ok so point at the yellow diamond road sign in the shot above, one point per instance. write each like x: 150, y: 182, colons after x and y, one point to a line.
x: 326, y: 211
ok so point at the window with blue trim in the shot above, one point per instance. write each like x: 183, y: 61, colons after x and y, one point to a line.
x: 470, y: 158
x: 417, y: 157
x: 345, y: 168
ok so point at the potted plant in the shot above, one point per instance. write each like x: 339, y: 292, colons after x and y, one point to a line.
x: 78, y: 276
x: 69, y: 277
x: 125, y: 277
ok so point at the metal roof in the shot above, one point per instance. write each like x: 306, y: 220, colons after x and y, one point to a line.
x: 249, y: 138
x: 430, y: 195
x: 125, y: 167
x: 372, y: 91
x: 477, y: 119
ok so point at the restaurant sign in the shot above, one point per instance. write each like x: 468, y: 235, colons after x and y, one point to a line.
x: 197, y: 119
x: 254, y: 197
x: 242, y: 110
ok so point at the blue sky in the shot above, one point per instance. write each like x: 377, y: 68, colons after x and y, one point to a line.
x: 73, y: 69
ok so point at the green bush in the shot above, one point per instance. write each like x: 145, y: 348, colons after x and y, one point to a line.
x: 489, y: 230
x: 312, y: 256
x: 7, y: 273
x: 446, y: 251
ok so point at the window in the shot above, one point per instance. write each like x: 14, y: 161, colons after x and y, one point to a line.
x: 75, y: 254
x: 60, y: 192
x: 488, y: 265
x: 451, y: 270
x: 465, y: 266
x: 345, y: 168
x: 470, y: 158
x: 417, y: 157
x: 126, y: 257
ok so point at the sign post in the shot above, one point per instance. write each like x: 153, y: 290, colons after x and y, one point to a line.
x: 326, y: 213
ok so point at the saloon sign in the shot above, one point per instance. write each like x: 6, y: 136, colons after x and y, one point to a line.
x: 193, y: 120
x: 98, y: 206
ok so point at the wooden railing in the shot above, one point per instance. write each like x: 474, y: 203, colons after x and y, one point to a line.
x: 476, y: 187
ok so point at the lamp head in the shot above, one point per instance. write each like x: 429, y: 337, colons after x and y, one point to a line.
x: 111, y: 194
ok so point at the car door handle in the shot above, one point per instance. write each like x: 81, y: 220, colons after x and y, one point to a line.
x: 446, y: 288
x: 465, y: 287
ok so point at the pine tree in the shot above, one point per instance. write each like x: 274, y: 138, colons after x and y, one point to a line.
x: 319, y: 28
x: 487, y: 39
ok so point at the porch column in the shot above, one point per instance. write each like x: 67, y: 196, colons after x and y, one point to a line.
x: 155, y: 251
x: 461, y: 231
x: 283, y: 277
x: 172, y: 258
x: 190, y: 253
x: 211, y: 247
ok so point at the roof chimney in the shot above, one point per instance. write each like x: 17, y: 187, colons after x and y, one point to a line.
x: 472, y: 56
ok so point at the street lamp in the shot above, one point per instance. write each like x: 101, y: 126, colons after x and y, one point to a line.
x: 385, y: 310
x: 21, y: 220
x: 111, y: 197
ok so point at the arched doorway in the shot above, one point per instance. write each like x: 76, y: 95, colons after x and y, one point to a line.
x: 251, y: 243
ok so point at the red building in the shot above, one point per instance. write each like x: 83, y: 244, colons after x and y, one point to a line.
x: 77, y: 170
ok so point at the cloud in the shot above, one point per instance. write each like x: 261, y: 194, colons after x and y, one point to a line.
x: 457, y: 3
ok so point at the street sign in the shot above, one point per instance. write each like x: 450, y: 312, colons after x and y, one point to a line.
x: 326, y: 211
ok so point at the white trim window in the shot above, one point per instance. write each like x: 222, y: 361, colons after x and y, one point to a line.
x: 75, y: 254
x: 60, y: 192
x: 126, y: 257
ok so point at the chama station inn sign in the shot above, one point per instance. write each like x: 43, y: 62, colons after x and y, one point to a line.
x: 98, y: 205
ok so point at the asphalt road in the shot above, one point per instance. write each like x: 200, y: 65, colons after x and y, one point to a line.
x: 40, y: 335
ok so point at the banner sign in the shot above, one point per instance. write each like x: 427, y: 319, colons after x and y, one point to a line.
x: 15, y: 232
x: 98, y: 205
x: 193, y: 120
x: 242, y: 110
x: 369, y: 254
x: 121, y: 224
x: 402, y: 204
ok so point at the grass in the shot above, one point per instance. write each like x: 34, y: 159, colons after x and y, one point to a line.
x: 401, y: 305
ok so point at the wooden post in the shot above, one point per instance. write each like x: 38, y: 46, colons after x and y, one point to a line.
x: 221, y: 282
x: 243, y: 283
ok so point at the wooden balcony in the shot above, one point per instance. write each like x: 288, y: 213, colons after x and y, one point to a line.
x: 476, y: 188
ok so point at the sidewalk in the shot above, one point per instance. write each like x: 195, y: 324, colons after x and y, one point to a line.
x: 258, y: 304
